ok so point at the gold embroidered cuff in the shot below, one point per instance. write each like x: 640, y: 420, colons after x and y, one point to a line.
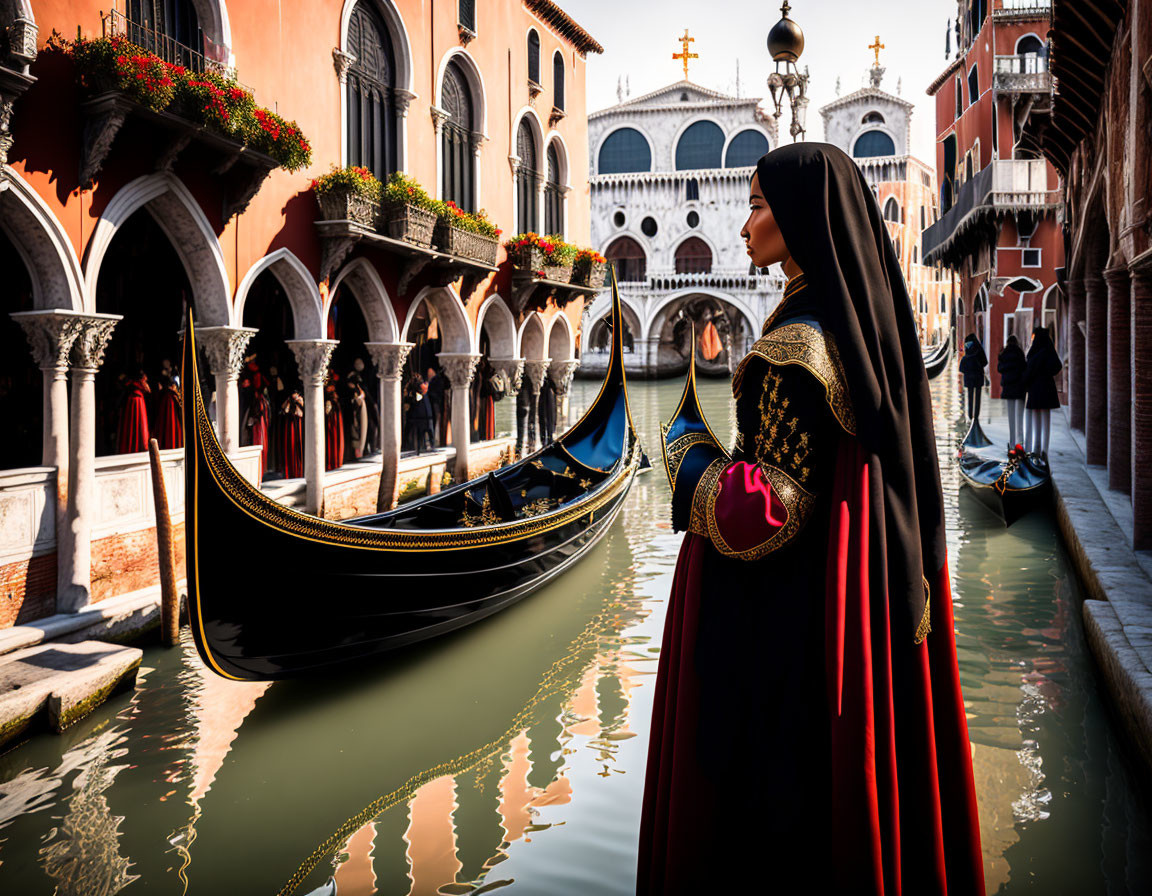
x: 698, y: 519
x: 796, y: 501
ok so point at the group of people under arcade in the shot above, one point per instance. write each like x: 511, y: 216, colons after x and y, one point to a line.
x: 148, y: 410
x: 272, y: 415
x: 1027, y: 382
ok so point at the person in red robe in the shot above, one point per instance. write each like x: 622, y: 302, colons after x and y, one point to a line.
x: 333, y: 427
x: 808, y: 728
x: 292, y: 435
x: 257, y: 424
x: 132, y: 434
x: 169, y: 429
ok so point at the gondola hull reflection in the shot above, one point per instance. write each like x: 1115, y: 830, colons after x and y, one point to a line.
x: 321, y: 593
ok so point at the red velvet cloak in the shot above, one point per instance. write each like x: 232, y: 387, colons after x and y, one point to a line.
x: 132, y: 434
x: 898, y: 804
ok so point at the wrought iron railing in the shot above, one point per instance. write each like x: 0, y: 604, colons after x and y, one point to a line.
x: 1021, y: 64
x: 211, y: 57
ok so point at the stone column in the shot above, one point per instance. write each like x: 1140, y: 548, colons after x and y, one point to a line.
x: 389, y: 358
x: 460, y: 367
x: 312, y: 357
x: 535, y: 369
x: 1076, y: 353
x: 1119, y: 380
x: 74, y: 549
x: 1141, y: 293
x: 561, y: 372
x: 514, y: 369
x: 224, y: 348
x: 1096, y: 369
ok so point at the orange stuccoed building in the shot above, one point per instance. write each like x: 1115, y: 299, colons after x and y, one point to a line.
x: 161, y: 159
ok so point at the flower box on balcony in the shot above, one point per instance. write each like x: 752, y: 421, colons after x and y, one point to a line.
x: 457, y: 241
x: 404, y: 221
x: 587, y: 270
x: 344, y: 204
x: 527, y: 258
x: 558, y: 273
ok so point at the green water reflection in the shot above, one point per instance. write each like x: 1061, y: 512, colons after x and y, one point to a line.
x: 511, y: 754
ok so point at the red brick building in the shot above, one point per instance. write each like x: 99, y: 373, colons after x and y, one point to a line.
x: 999, y: 226
x: 115, y: 219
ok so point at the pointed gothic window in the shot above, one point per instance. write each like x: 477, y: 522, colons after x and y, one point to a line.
x: 693, y: 257
x: 527, y: 178
x: 628, y: 257
x: 458, y: 140
x: 558, y: 81
x: 371, y: 125
x: 553, y: 194
x: 534, y: 56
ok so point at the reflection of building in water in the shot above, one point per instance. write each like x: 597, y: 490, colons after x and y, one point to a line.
x: 670, y: 177
x: 83, y: 855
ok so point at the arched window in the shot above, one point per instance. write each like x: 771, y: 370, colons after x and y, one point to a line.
x: 872, y: 118
x: 873, y: 143
x: 692, y: 189
x: 371, y: 125
x: 693, y: 257
x: 623, y: 151
x: 745, y: 149
x: 553, y: 194
x: 628, y: 257
x: 892, y: 210
x: 700, y: 146
x: 943, y: 303
x: 923, y: 218
x: 527, y: 178
x: 558, y: 81
x: 916, y: 256
x: 534, y: 56
x: 149, y: 23
x: 973, y: 85
x: 457, y: 140
x: 967, y: 167
x: 959, y: 96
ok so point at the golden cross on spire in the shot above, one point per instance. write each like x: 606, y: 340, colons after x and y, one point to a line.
x: 685, y: 55
x: 876, y: 48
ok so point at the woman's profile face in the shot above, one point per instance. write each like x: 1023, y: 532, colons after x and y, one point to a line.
x: 760, y: 232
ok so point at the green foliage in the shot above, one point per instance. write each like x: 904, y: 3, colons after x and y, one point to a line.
x: 354, y: 178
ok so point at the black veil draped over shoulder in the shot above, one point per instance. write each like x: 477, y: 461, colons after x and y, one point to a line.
x: 832, y: 226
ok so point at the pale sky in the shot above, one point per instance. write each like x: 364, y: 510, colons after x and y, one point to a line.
x: 639, y: 39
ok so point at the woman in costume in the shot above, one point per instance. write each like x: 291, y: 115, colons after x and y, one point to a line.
x: 1010, y: 365
x: 808, y: 728
x: 132, y: 434
x: 258, y: 412
x: 292, y: 434
x: 1039, y: 379
x: 972, y: 369
x: 333, y: 426
x: 169, y: 430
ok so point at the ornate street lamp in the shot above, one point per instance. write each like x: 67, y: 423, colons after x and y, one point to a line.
x: 786, y: 43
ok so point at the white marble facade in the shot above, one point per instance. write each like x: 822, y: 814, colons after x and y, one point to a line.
x: 663, y: 203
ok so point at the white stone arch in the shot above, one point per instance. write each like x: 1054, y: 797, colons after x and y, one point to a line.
x: 1033, y: 34
x: 56, y: 274
x: 178, y: 214
x: 562, y: 153
x: 299, y: 286
x: 372, y: 297
x: 736, y: 132
x: 688, y: 234
x: 561, y: 341
x: 687, y: 123
x: 884, y: 129
x: 502, y: 334
x: 654, y: 312
x: 532, y: 341
x: 601, y: 309
x: 458, y: 336
x: 635, y: 126
x: 402, y: 46
x: 475, y: 81
x: 638, y: 236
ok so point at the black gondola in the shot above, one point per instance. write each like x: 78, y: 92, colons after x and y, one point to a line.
x: 1008, y: 488
x: 936, y: 357
x: 324, y: 592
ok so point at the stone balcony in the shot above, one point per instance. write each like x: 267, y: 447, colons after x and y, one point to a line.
x: 1023, y: 73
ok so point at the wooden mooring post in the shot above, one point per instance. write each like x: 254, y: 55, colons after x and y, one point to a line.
x: 169, y: 598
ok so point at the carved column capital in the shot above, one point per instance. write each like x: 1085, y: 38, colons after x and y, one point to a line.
x: 459, y: 367
x: 389, y: 358
x: 342, y: 61
x: 91, y: 340
x: 536, y: 369
x: 439, y: 118
x: 224, y: 348
x: 50, y: 335
x: 403, y: 98
x: 312, y: 357
x: 561, y: 372
x: 5, y: 133
x: 513, y: 369
x: 514, y: 164
x: 478, y: 140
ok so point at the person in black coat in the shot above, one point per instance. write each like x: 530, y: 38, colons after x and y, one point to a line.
x: 1039, y: 380
x: 972, y: 367
x: 1010, y: 364
x: 546, y: 410
x: 420, y: 417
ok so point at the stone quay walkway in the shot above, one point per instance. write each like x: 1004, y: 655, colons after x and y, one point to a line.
x: 1096, y: 525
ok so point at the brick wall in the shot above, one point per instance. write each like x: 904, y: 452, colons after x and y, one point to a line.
x: 128, y: 562
x: 27, y: 590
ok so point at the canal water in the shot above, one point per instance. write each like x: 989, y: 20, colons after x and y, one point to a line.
x: 511, y: 755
